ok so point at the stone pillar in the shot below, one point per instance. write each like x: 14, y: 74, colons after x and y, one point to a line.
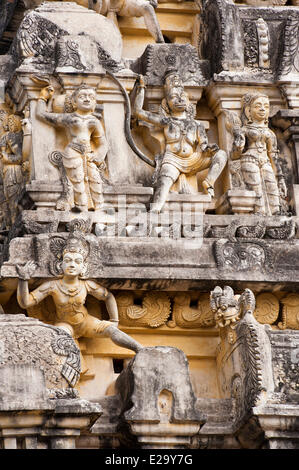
x: 163, y: 411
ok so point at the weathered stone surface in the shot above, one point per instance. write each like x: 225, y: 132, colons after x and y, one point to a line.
x: 158, y: 402
x: 22, y: 384
x: 160, y: 269
x: 28, y: 344
x: 233, y: 31
x: 7, y: 10
x: 285, y: 358
x: 158, y: 58
x: 243, y: 260
x: 66, y: 19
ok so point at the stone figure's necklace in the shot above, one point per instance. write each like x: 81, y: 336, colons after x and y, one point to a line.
x: 88, y: 116
x: 72, y: 291
x: 183, y: 124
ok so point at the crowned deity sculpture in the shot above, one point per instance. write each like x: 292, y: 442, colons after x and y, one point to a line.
x: 69, y: 294
x: 255, y: 147
x: 187, y: 150
x: 83, y: 157
x: 122, y: 8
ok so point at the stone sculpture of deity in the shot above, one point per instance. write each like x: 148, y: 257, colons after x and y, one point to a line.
x: 83, y: 157
x: 69, y: 295
x: 255, y: 146
x: 13, y: 166
x: 187, y: 150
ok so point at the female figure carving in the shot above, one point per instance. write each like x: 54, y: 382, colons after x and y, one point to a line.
x: 256, y: 147
x: 83, y: 157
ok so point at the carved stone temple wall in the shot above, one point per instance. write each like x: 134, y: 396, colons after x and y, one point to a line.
x: 149, y: 210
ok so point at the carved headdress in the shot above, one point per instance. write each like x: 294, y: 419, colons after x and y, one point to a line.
x: 76, y: 244
x: 175, y: 83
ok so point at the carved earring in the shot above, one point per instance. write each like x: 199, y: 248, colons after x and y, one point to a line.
x: 248, y: 114
x: 55, y: 268
x: 84, y: 270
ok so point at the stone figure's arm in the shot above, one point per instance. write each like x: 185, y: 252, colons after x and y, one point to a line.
x: 27, y: 144
x: 112, y: 309
x: 203, y: 144
x: 55, y: 119
x: 99, y: 140
x: 101, y: 293
x: 4, y: 154
x: 26, y: 299
x: 239, y: 143
x: 233, y: 124
x: 273, y: 153
x: 138, y: 110
x: 15, y: 145
x: 12, y: 152
x: 27, y: 138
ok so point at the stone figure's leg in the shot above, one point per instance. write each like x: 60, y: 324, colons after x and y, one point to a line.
x: 94, y: 327
x: 121, y: 339
x: 151, y: 22
x: 217, y: 164
x: 168, y: 176
x: 75, y: 173
x: 95, y: 185
x: 271, y: 188
x: 66, y: 327
x: 252, y: 179
x: 143, y: 8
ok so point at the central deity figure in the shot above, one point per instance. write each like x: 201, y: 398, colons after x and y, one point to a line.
x: 83, y: 157
x: 69, y: 295
x: 187, y: 151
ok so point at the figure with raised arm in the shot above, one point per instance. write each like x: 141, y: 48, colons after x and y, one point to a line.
x: 187, y: 150
x: 69, y: 295
x: 83, y: 157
